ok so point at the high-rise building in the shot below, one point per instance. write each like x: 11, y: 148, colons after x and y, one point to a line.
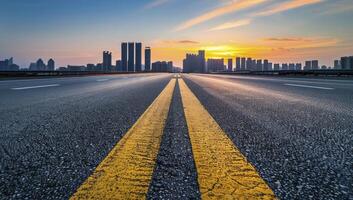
x: 138, y: 54
x: 270, y: 66
x: 298, y: 66
x: 266, y: 66
x: 315, y: 64
x: 242, y: 64
x: 124, y: 56
x: 195, y: 62
x: 202, y: 57
x: 40, y: 65
x: 249, y: 65
x: 291, y: 66
x: 215, y: 65
x: 230, y: 64
x: 131, y: 60
x: 284, y: 66
x: 276, y: 67
x: 51, y: 65
x: 162, y: 66
x: 147, y: 59
x: 259, y: 65
x: 107, y: 61
x: 336, y: 64
x: 347, y: 62
x: 237, y: 64
x: 308, y: 65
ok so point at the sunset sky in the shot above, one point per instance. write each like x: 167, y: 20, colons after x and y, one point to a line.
x: 77, y: 31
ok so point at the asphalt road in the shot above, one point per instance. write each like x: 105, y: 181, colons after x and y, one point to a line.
x: 54, y: 132
x: 297, y: 132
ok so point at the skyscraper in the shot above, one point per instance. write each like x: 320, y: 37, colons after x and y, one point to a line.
x: 147, y: 59
x: 336, y: 64
x: 308, y: 65
x: 107, y: 61
x: 266, y: 66
x: 249, y: 65
x: 51, y: 65
x: 195, y: 62
x: 202, y: 57
x: 230, y: 64
x: 124, y: 56
x: 131, y: 60
x: 40, y: 65
x: 259, y: 65
x: 237, y: 64
x: 276, y: 67
x: 138, y: 54
x: 242, y: 64
x: 315, y: 64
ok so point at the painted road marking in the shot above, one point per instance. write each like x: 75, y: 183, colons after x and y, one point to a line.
x: 223, y: 172
x: 35, y: 87
x: 309, y: 86
x: 127, y: 170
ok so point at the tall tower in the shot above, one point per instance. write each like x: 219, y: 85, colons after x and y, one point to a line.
x: 124, y: 56
x: 138, y: 54
x: 147, y: 59
x: 107, y: 60
x: 51, y: 65
x: 131, y: 60
x: 230, y: 64
x: 237, y: 64
x: 202, y: 57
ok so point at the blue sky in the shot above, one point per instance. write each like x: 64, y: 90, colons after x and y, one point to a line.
x: 77, y: 31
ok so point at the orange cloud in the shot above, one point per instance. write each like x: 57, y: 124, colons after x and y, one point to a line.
x: 232, y: 7
x: 232, y: 24
x: 286, y: 6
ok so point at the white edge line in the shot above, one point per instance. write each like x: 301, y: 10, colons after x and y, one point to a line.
x: 34, y: 87
x: 309, y: 86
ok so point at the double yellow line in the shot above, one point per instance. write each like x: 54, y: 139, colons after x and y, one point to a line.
x: 223, y: 172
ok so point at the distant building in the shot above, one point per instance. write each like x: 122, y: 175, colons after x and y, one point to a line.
x: 51, y: 65
x: 40, y: 65
x: 265, y: 65
x: 347, y: 62
x: 91, y: 67
x: 138, y: 54
x: 242, y: 64
x: 336, y: 64
x: 76, y: 68
x: 131, y: 60
x: 195, y: 63
x: 230, y: 64
x: 119, y: 66
x: 315, y: 64
x: 237, y: 64
x: 248, y: 64
x: 215, y: 65
x: 270, y: 66
x: 298, y: 66
x: 284, y: 66
x: 308, y: 65
x: 276, y: 67
x: 147, y: 59
x: 8, y: 65
x: 291, y: 66
x: 259, y: 65
x: 124, y: 56
x: 107, y: 61
x: 162, y: 66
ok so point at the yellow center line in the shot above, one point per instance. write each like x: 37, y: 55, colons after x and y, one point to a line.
x: 127, y: 170
x: 223, y: 172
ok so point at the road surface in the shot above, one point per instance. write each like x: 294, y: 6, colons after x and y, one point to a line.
x: 294, y: 136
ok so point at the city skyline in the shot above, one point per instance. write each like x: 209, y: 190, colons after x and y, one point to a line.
x: 283, y: 31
